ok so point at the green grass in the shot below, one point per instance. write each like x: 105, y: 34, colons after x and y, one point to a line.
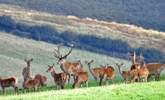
x: 135, y: 91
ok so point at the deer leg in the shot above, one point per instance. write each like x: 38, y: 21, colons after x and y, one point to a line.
x: 62, y: 86
x: 100, y: 82
x: 86, y: 83
x: 149, y: 76
x: 3, y: 89
x: 73, y: 86
x: 101, y: 79
x: 146, y: 79
x: 15, y: 89
x: 157, y: 76
x: 68, y: 78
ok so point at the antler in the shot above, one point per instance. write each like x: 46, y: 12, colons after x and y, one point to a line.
x: 68, y: 52
x: 133, y: 57
x: 57, y: 51
x: 141, y: 58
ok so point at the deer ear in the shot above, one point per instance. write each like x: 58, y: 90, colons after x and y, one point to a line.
x: 53, y: 64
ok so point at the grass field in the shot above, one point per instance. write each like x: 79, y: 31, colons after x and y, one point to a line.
x: 136, y: 91
x: 13, y: 51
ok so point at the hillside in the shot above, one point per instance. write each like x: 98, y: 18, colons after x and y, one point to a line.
x: 142, y: 91
x: 146, y: 13
x: 92, y: 35
x: 13, y: 51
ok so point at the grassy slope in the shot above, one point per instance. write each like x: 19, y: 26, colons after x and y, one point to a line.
x: 134, y: 36
x: 142, y: 91
x: 13, y: 50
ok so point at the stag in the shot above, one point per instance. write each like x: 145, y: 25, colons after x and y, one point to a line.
x: 7, y: 82
x: 139, y: 68
x: 140, y: 72
x: 66, y: 66
x: 60, y: 79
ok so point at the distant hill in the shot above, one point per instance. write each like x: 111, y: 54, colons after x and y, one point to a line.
x: 102, y: 37
x: 146, y: 13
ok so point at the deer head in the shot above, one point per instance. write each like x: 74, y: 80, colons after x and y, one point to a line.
x: 120, y: 65
x: 50, y: 68
x: 28, y: 62
x: 59, y: 56
x: 89, y: 62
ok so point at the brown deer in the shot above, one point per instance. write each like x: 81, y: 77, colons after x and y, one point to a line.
x: 125, y: 74
x: 140, y: 72
x: 153, y: 68
x: 96, y: 72
x: 109, y: 74
x: 60, y: 79
x: 42, y: 79
x: 67, y: 66
x: 139, y: 68
x: 101, y: 74
x: 80, y: 79
x: 7, y: 82
x: 26, y: 72
x: 32, y: 84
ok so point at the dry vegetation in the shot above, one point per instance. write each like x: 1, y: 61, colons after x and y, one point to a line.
x: 133, y: 35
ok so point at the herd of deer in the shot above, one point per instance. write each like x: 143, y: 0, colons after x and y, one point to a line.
x: 139, y: 71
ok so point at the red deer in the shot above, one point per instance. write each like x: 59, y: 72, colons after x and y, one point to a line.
x: 60, y: 79
x: 125, y: 74
x: 103, y: 73
x: 67, y: 66
x: 26, y: 72
x: 80, y: 79
x: 154, y: 68
x: 140, y: 72
x: 109, y: 74
x: 7, y: 82
x: 139, y: 68
x: 32, y: 84
x: 42, y: 79
x: 97, y: 73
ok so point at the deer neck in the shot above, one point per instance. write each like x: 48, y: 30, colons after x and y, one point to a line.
x: 91, y: 71
x: 53, y: 73
x: 29, y: 69
x: 120, y: 70
x: 63, y: 62
x: 64, y: 65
